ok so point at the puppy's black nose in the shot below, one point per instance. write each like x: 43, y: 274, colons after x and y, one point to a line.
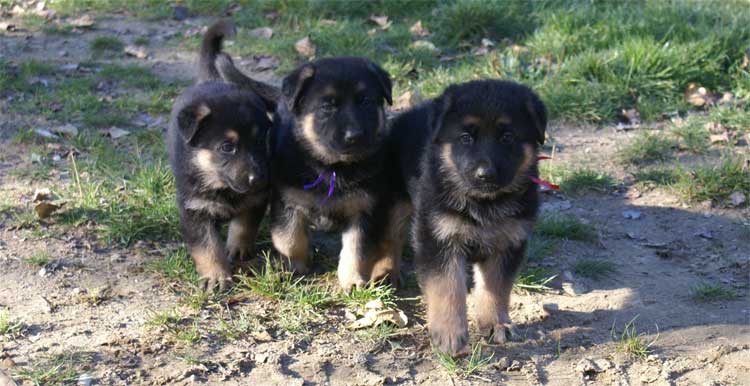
x: 485, y: 173
x: 254, y: 179
x: 353, y: 136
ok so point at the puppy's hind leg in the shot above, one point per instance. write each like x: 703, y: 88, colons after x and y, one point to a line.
x: 290, y: 237
x: 493, y: 283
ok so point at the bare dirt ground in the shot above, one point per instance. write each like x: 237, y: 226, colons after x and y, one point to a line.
x: 566, y: 336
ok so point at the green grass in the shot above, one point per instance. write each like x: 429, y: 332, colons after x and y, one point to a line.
x: 60, y: 369
x: 631, y: 342
x: 177, y: 265
x: 659, y: 175
x: 103, y: 44
x: 577, y: 180
x: 711, y: 293
x: 714, y: 182
x: 562, y: 226
x: 593, y: 269
x: 534, y: 279
x: 10, y: 327
x: 540, y: 247
x: 647, y: 147
x: 465, y: 367
x: 39, y: 259
x: 693, y: 136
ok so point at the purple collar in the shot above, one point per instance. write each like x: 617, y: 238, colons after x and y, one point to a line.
x: 331, y: 182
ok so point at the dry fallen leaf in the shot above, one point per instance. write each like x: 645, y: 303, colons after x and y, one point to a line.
x: 67, y: 129
x: 45, y: 209
x: 42, y: 194
x: 137, y: 51
x: 262, y: 336
x: 44, y: 133
x: 407, y: 100
x: 85, y: 21
x: 717, y: 138
x: 327, y: 22
x: 714, y: 127
x: 698, y: 96
x: 418, y: 30
x: 375, y: 313
x: 116, y: 132
x: 425, y: 45
x: 262, y: 32
x: 305, y: 47
x: 381, y: 21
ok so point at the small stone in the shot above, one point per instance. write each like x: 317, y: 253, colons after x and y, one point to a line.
x: 305, y: 47
x: 84, y: 380
x: 425, y: 45
x: 737, y: 198
x: 515, y: 366
x: 631, y: 214
x: 262, y: 32
x: 137, y: 51
x: 180, y: 13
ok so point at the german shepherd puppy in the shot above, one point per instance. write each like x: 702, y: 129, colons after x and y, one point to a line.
x: 466, y: 160
x: 218, y: 152
x: 327, y: 167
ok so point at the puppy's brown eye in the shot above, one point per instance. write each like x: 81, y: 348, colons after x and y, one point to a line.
x: 328, y: 105
x: 365, y: 101
x: 228, y: 147
x: 466, y: 139
x: 507, y: 138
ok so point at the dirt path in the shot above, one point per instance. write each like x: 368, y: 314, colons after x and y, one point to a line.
x: 96, y: 300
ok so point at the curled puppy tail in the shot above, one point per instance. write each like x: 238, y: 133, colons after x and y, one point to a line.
x: 211, y: 47
x: 229, y: 73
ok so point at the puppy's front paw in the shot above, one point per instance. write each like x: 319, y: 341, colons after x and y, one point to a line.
x: 450, y: 338
x: 504, y: 332
x: 237, y: 252
x: 215, y: 276
x: 349, y: 277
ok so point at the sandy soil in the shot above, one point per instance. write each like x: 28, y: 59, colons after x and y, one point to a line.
x: 566, y: 336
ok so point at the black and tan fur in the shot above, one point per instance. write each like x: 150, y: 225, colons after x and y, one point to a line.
x: 218, y: 152
x: 330, y: 118
x: 465, y: 160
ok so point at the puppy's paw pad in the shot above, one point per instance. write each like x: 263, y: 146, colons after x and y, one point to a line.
x: 453, y: 343
x: 504, y: 332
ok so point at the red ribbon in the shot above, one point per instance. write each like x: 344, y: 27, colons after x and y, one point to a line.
x: 542, y: 182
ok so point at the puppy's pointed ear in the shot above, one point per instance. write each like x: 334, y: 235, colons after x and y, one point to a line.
x: 538, y: 114
x: 293, y: 86
x: 440, y: 108
x: 189, y: 119
x: 384, y: 79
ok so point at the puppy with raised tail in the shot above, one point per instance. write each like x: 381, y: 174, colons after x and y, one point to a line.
x: 217, y: 148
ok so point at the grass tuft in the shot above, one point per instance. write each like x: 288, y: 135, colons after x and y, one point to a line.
x: 10, y: 327
x: 465, y: 367
x: 61, y: 369
x: 647, y: 147
x: 562, y: 226
x: 629, y: 341
x: 534, y: 279
x: 102, y: 44
x: 714, y: 182
x: 711, y: 293
x: 594, y: 269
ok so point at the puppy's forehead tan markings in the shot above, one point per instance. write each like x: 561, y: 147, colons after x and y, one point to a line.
x: 329, y: 90
x: 503, y: 120
x: 232, y: 135
x: 471, y: 120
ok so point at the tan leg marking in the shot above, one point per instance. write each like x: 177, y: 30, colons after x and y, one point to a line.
x: 292, y: 241
x: 352, y: 264
x: 388, y: 260
x: 241, y: 236
x: 445, y: 297
x: 211, y: 262
x: 491, y: 300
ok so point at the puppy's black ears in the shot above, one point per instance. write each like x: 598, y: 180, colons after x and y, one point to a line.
x: 384, y: 79
x: 189, y: 119
x: 440, y: 108
x: 293, y: 86
x: 538, y: 114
